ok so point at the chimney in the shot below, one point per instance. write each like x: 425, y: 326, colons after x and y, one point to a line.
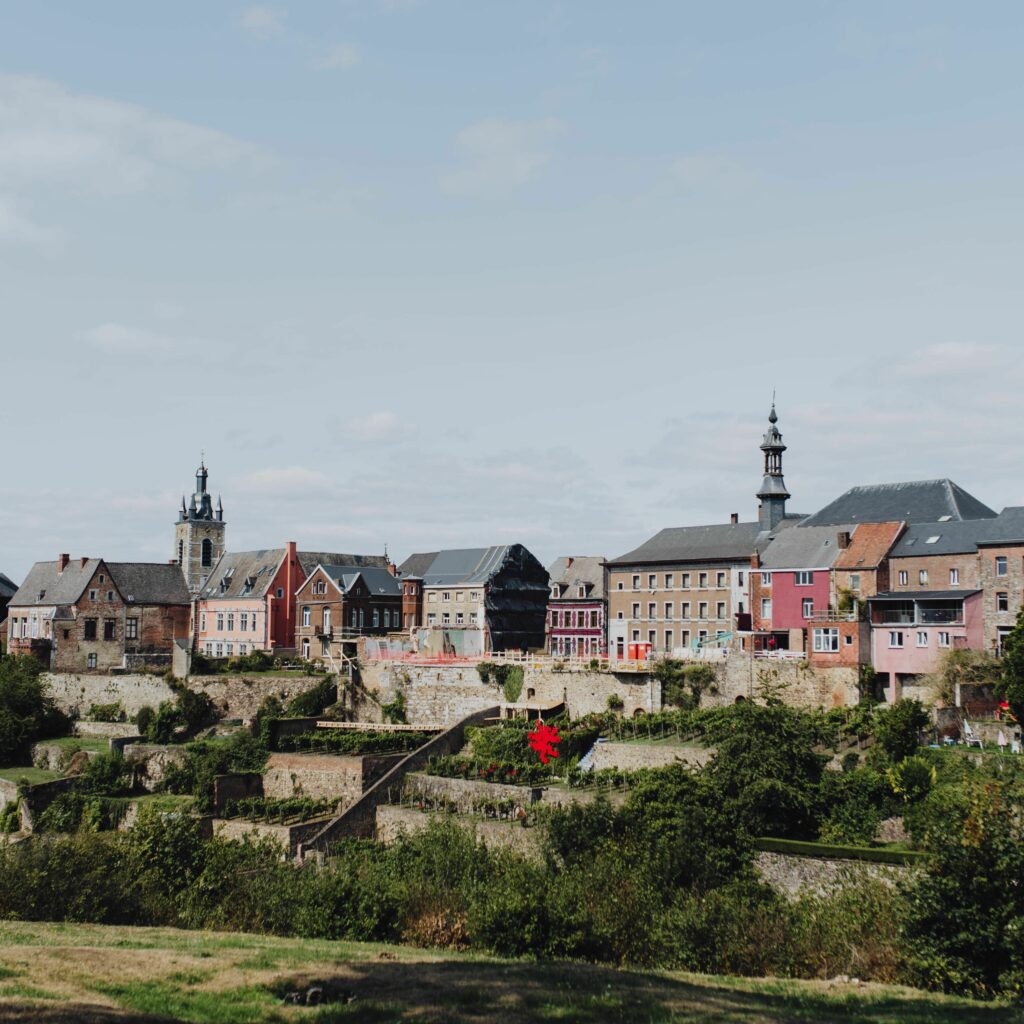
x: 62, y: 562
x: 83, y: 560
x: 755, y: 561
x: 734, y: 518
x: 843, y: 539
x: 392, y: 568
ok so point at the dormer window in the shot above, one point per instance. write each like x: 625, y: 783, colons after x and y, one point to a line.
x: 556, y: 592
x: 582, y: 592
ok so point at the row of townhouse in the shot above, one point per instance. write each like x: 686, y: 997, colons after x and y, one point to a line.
x: 91, y: 615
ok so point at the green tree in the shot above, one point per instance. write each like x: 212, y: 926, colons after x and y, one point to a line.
x: 898, y: 728
x: 1011, y: 684
x: 27, y: 712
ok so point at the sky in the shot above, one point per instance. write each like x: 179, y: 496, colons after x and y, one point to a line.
x: 425, y: 274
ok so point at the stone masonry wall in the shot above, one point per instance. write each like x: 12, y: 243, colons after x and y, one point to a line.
x: 324, y: 776
x: 444, y: 695
x: 790, y: 875
x: 234, y: 696
x: 740, y: 673
x: 394, y: 821
x: 631, y: 756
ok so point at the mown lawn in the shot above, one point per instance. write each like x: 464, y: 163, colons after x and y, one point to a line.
x: 30, y: 773
x: 63, y: 973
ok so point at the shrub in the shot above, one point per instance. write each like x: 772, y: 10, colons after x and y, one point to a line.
x: 113, y: 712
x: 312, y: 702
x: 144, y: 720
x: 615, y: 702
x: 206, y: 759
x: 898, y: 728
x: 394, y: 711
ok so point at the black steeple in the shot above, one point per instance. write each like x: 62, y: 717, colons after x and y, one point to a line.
x: 773, y: 493
x: 200, y: 506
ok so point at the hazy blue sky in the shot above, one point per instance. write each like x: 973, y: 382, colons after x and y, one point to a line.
x: 447, y: 274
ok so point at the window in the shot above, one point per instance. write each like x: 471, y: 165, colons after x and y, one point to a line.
x: 943, y: 639
x: 202, y: 621
x: 90, y: 661
x: 459, y: 618
x: 636, y: 610
x: 319, y: 587
x: 229, y: 649
x: 305, y: 648
x: 431, y: 595
x: 243, y: 621
x: 231, y: 622
x: 181, y: 551
x: 92, y: 595
x: 581, y: 592
x: 702, y: 610
x: 446, y: 595
x: 895, y: 638
x: 636, y: 581
x: 686, y: 581
x: 206, y: 556
x: 131, y: 629
x: 684, y: 610
x: 108, y: 629
x: 954, y: 577
x: 766, y: 579
x: 669, y: 580
x: 684, y: 638
x: 720, y: 610
x: 739, y: 579
x: 619, y: 586
x: 376, y: 616
x: 460, y: 595
x: 807, y: 607
x: 1000, y: 565
x: 362, y: 617
x: 702, y: 579
x: 922, y: 576
x: 254, y: 622
x: 855, y: 582
x: 446, y: 618
x: 1002, y: 601
x: 804, y: 579
x: 89, y: 632
x: 766, y: 607
x: 904, y: 577
x: 110, y: 595
x: 220, y: 621
x: 593, y: 620
x: 922, y: 638
x: 652, y: 581
x: 652, y: 610
x: 474, y: 595
x: 218, y: 650
x: 668, y: 639
x: 826, y: 639
x: 209, y: 649
x: 554, y: 618
x: 702, y: 635
x: 431, y: 618
x: 636, y: 635
x: 327, y: 620
x: 244, y: 649
x: 720, y: 579
x: 668, y: 611
x: 305, y: 616
x: 280, y: 593
x: 101, y: 578
x: 652, y: 636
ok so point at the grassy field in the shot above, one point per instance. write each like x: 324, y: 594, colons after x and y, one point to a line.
x: 31, y: 773
x: 88, y: 973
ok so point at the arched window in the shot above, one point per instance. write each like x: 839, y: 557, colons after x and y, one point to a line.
x: 207, y: 556
x: 181, y: 551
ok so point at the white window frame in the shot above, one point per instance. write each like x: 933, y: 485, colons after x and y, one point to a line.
x: 904, y: 577
x: 922, y: 638
x: 896, y: 639
x: 803, y: 578
x: 807, y: 607
x: 825, y: 639
x: 954, y: 577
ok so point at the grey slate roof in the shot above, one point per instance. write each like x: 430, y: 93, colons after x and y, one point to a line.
x: 953, y: 538
x: 573, y: 570
x: 805, y: 547
x: 8, y: 588
x: 57, y: 588
x: 309, y: 560
x: 723, y: 542
x: 918, y: 501
x: 459, y: 566
x: 149, y: 582
x: 258, y: 566
x: 379, y: 581
x: 416, y: 565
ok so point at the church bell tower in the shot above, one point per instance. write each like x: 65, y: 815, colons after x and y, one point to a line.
x: 199, y: 534
x: 773, y: 493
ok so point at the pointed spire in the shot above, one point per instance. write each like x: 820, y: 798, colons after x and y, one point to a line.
x: 220, y: 510
x: 773, y: 493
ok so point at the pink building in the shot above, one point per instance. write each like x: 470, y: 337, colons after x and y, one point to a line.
x: 577, y: 608
x: 910, y: 632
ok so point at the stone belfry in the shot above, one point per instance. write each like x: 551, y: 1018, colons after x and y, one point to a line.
x: 773, y: 494
x: 199, y: 533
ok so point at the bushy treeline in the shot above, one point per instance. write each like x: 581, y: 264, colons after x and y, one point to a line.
x: 27, y: 712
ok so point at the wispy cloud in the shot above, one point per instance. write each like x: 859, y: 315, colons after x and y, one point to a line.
x: 339, y: 57
x: 263, y: 22
x: 497, y: 155
x: 377, y: 426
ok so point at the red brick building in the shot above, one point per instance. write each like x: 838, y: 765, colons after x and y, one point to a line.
x: 577, y: 608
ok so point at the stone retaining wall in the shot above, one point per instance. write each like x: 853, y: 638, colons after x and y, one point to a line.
x: 104, y: 730
x: 154, y: 760
x: 341, y: 777
x: 286, y: 836
x: 394, y: 821
x: 740, y: 673
x: 791, y: 875
x: 8, y: 792
x: 632, y: 756
x: 446, y: 694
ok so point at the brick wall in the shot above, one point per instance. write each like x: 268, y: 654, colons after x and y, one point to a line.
x: 1012, y: 584
x: 321, y: 776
